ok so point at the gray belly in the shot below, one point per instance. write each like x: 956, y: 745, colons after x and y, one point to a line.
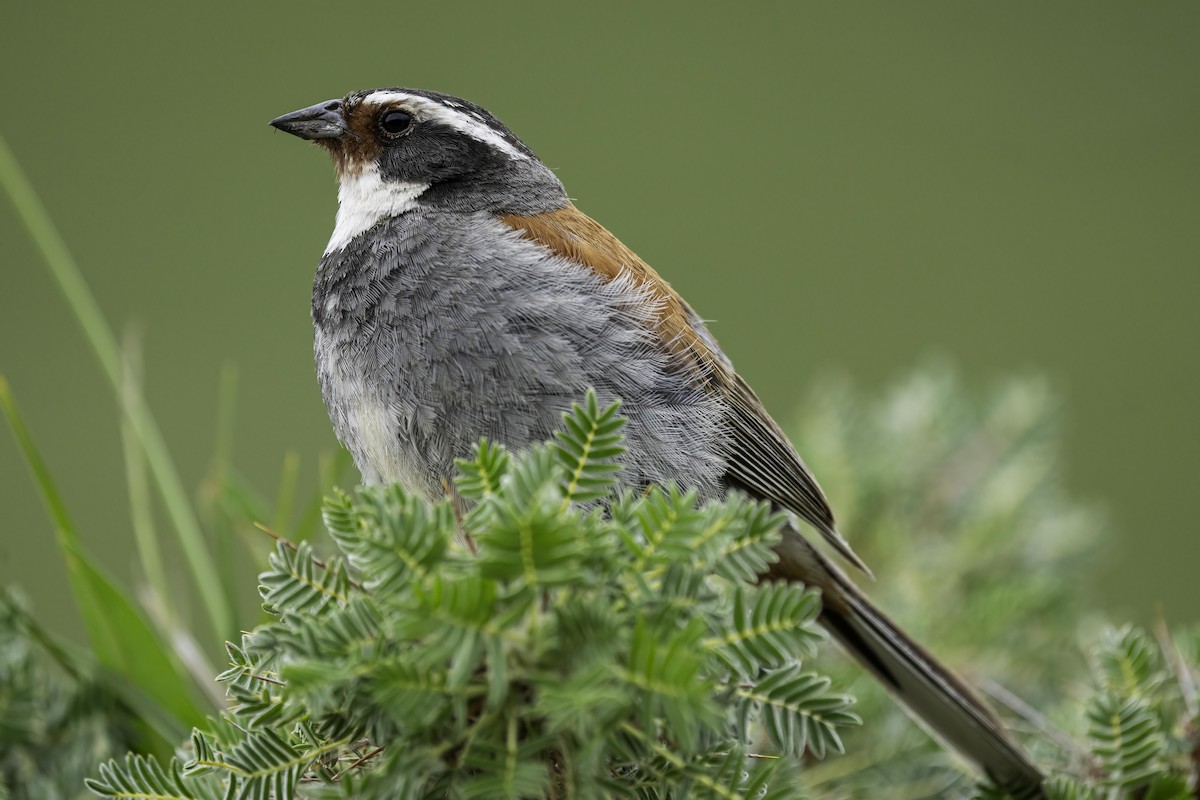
x: 458, y: 329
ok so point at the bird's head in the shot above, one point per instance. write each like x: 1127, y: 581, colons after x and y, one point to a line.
x: 401, y: 147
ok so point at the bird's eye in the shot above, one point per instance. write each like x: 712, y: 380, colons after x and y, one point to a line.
x: 394, y: 122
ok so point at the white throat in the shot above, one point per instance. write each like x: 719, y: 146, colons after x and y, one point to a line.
x: 364, y: 198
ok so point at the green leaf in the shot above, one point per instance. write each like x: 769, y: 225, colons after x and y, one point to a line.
x: 588, y: 446
x: 451, y: 623
x: 769, y: 626
x: 139, y: 778
x: 1059, y: 788
x: 670, y: 528
x: 254, y: 688
x: 574, y: 653
x: 264, y: 765
x: 531, y: 538
x: 1127, y: 738
x: 667, y: 666
x: 1169, y: 787
x: 140, y: 511
x: 1062, y: 788
x: 353, y: 630
x: 296, y: 583
x: 122, y: 638
x: 390, y: 536
x: 1130, y: 663
x: 745, y: 546
x: 479, y: 477
x: 507, y: 764
x: 799, y: 712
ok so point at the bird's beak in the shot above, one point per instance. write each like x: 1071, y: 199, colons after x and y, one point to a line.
x: 322, y: 121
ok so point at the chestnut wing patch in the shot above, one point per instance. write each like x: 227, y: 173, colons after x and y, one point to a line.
x: 577, y: 237
x: 762, y: 462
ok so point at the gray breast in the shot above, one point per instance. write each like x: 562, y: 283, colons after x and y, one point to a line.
x: 436, y: 329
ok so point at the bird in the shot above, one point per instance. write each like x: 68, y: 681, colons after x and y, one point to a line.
x: 463, y: 295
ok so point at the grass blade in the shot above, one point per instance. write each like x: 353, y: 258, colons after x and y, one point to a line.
x: 140, y: 508
x: 104, y: 344
x: 123, y: 641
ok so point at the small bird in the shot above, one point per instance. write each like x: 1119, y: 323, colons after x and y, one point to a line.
x: 462, y: 295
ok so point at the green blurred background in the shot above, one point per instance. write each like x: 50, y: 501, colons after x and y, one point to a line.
x: 844, y: 188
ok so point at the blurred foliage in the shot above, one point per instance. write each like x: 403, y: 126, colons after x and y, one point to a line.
x: 958, y: 505
x: 1142, y: 719
x: 55, y: 721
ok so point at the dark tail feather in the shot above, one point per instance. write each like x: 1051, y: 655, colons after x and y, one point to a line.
x: 933, y: 695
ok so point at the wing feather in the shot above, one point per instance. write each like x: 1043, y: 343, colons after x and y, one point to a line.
x: 762, y: 462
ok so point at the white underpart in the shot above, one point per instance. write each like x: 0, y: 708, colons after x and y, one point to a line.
x: 364, y: 198
x: 461, y: 119
x: 364, y: 422
x: 376, y: 432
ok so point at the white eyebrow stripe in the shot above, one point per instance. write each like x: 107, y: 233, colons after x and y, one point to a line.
x: 459, y: 118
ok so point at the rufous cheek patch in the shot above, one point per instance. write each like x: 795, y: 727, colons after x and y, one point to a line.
x: 360, y: 145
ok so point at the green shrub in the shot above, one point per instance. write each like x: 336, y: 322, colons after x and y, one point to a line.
x: 561, y: 647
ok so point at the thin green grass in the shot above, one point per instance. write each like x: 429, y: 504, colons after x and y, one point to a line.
x: 123, y: 641
x: 100, y: 337
x: 140, y: 502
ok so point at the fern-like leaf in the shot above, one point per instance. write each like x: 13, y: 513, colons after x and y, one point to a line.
x: 479, y: 476
x: 531, y: 537
x: 1130, y: 663
x: 670, y: 526
x: 265, y: 766
x: 391, y: 537
x: 254, y: 688
x: 727, y: 775
x: 141, y: 777
x: 507, y: 766
x: 1068, y: 789
x: 412, y: 696
x: 799, y: 712
x: 666, y: 666
x: 768, y: 627
x: 746, y: 544
x: 588, y: 447
x: 1060, y: 788
x: 353, y: 631
x: 1127, y: 737
x: 588, y: 646
x: 452, y: 625
x: 296, y: 583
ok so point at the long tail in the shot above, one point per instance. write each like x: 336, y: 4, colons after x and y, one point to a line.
x: 933, y: 695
